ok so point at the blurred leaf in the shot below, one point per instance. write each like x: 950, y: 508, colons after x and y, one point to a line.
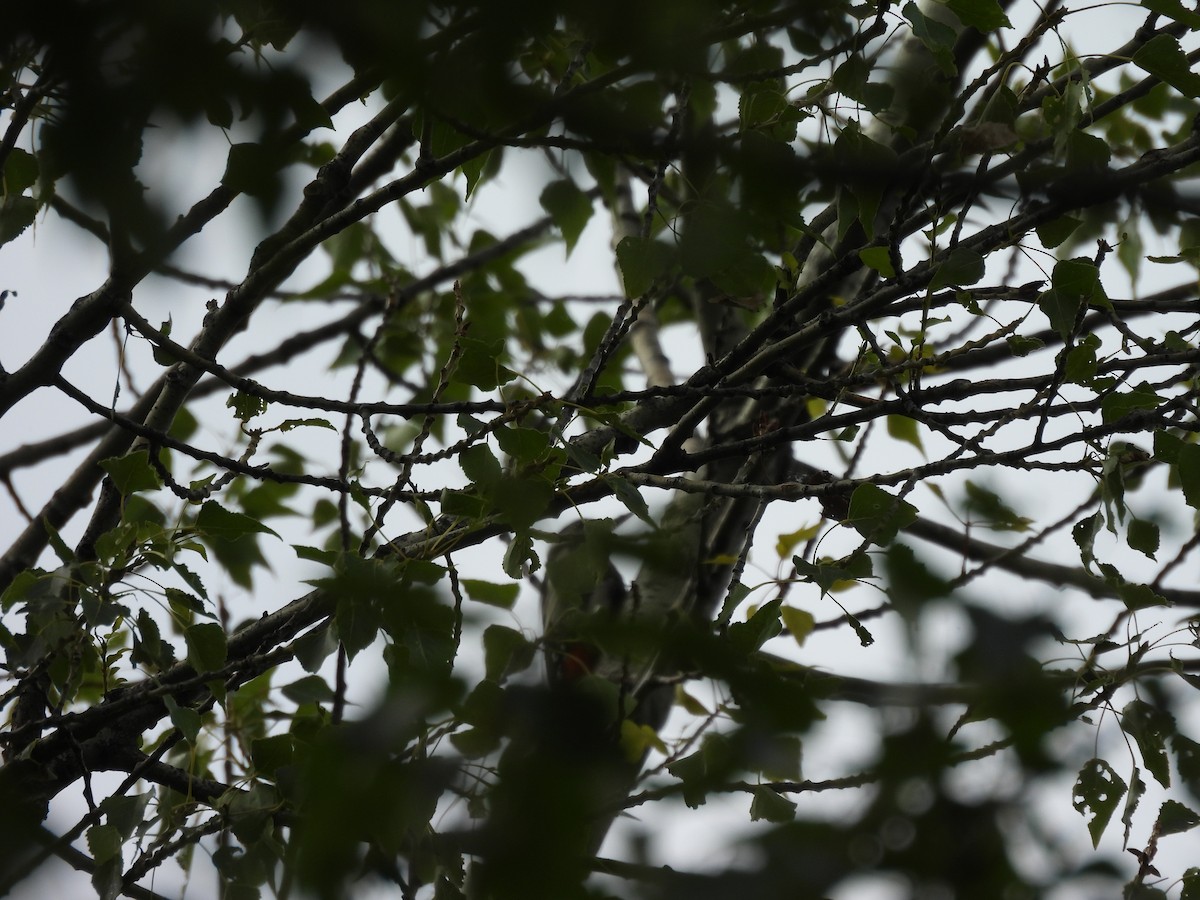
x: 505, y: 651
x: 501, y: 595
x: 771, y: 806
x: 642, y: 261
x: 902, y: 428
x: 569, y: 207
x: 798, y: 622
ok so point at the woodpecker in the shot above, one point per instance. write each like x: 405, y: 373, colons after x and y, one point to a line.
x: 584, y: 596
x: 582, y: 589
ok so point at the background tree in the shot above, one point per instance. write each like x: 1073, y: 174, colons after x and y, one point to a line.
x: 884, y: 448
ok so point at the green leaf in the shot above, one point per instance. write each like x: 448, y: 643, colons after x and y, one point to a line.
x: 569, y: 208
x: 642, y: 261
x: 1098, y: 790
x: 214, y: 521
x: 798, y: 622
x: 1020, y: 345
x: 104, y: 842
x: 632, y: 498
x: 1174, y: 9
x: 1188, y: 466
x: 828, y: 575
x: 186, y: 719
x: 1056, y: 231
x: 272, y: 753
x: 1081, y: 361
x: 358, y: 621
x: 988, y: 506
x: 246, y: 406
x: 1116, y: 406
x: 877, y: 515
x: 938, y: 37
x: 879, y: 259
x: 1163, y: 58
x: 748, y: 636
x: 982, y: 15
x: 20, y: 171
x: 771, y: 806
x: 1191, y: 884
x: 132, y: 472
x: 1084, y: 533
x: 16, y: 214
x: 480, y: 364
x: 309, y: 689
x: 962, y: 267
x: 481, y: 466
x: 1175, y: 818
x: 505, y: 651
x: 501, y: 595
x: 525, y: 445
x: 902, y: 428
x: 1143, y: 536
x: 206, y: 646
x: 1150, y: 727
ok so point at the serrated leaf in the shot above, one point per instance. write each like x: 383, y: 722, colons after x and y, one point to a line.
x: 214, y: 521
x: 1143, y: 536
x: 1163, y: 58
x: 1098, y: 791
x: 246, y: 406
x: 1150, y: 727
x: 1175, y: 818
